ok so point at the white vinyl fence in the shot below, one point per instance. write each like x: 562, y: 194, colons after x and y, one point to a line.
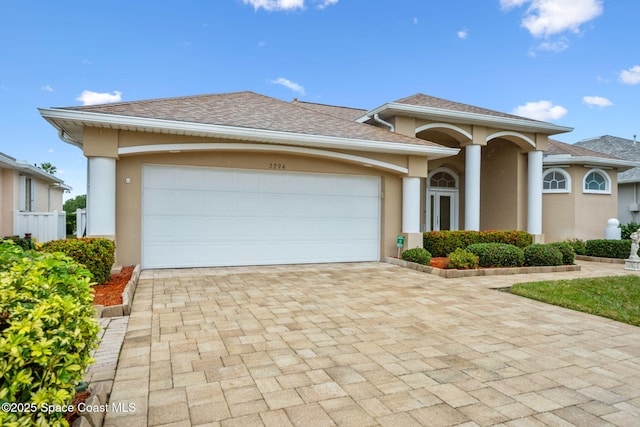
x: 81, y: 223
x: 43, y: 226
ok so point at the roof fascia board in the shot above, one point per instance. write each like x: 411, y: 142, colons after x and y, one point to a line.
x: 232, y: 132
x: 29, y: 169
x: 466, y: 117
x: 560, y: 159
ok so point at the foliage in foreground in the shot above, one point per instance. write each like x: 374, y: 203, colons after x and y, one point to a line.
x: 609, y: 248
x: 442, y: 243
x: 615, y: 297
x: 497, y: 254
x: 539, y: 254
x: 462, y: 259
x: 47, y: 332
x: 95, y: 253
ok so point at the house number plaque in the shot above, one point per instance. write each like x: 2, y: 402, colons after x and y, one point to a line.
x: 276, y: 166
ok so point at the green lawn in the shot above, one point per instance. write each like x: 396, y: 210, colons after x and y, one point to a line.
x: 615, y: 297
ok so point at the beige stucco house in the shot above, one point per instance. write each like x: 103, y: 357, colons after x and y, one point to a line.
x: 25, y: 188
x: 245, y: 179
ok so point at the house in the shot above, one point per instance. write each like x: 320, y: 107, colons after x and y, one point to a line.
x: 26, y: 190
x: 245, y: 179
x: 580, y: 191
x: 628, y: 180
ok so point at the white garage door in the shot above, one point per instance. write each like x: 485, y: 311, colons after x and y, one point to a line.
x: 195, y: 217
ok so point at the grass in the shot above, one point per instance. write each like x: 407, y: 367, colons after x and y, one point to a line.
x: 615, y: 297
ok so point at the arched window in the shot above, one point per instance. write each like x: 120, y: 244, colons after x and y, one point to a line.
x: 597, y: 181
x: 443, y: 179
x: 556, y: 181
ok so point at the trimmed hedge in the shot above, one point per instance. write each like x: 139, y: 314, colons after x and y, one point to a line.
x: 95, y: 253
x: 47, y: 333
x: 538, y: 254
x: 462, y: 259
x: 567, y: 251
x: 417, y: 255
x: 609, y: 248
x: 442, y: 243
x: 497, y: 254
x: 627, y: 229
x: 579, y: 246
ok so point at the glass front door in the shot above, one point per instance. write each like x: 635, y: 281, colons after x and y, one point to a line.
x: 442, y: 211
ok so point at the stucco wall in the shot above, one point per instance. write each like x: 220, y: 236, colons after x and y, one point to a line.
x: 499, y: 186
x: 627, y: 194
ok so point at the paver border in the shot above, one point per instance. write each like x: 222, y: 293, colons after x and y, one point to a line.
x: 453, y: 274
x: 123, y: 309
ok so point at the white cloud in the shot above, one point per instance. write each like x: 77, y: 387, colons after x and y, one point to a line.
x: 597, y: 101
x: 548, y: 17
x: 47, y: 88
x: 91, y: 98
x: 631, y: 76
x: 541, y: 110
x: 415, y: 21
x: 553, y: 46
x: 277, y: 5
x: 463, y: 34
x: 289, y: 84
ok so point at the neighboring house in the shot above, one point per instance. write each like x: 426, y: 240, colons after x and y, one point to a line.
x: 25, y: 188
x: 629, y: 180
x: 245, y: 179
x: 580, y: 191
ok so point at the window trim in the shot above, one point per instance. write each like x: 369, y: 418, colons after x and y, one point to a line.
x: 562, y: 172
x: 607, y: 180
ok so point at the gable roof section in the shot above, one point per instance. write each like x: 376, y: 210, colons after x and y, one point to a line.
x: 621, y: 147
x: 560, y: 153
x: 245, y: 116
x: 432, y: 108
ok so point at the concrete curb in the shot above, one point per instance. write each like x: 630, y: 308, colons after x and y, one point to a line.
x: 452, y: 274
x: 123, y: 309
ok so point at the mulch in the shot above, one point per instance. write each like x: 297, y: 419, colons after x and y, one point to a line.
x: 110, y: 293
x: 439, y: 262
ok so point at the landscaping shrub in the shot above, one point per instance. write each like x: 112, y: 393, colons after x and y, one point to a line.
x: 627, y: 229
x: 567, y: 251
x: 538, y: 254
x: 462, y: 259
x: 23, y: 242
x: 417, y: 255
x: 579, y: 246
x: 442, y: 243
x: 497, y: 254
x: 609, y: 248
x: 47, y: 333
x: 96, y: 254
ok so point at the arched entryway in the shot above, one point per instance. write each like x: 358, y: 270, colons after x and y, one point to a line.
x: 442, y: 200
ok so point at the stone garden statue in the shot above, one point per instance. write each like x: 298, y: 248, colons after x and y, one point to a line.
x: 635, y: 238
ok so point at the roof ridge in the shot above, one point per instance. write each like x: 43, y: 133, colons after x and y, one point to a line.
x: 168, y: 98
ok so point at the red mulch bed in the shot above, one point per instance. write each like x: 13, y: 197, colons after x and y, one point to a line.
x: 110, y: 293
x: 78, y: 398
x: 439, y: 262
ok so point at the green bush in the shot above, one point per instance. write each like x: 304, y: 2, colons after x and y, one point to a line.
x: 47, y: 332
x: 627, y: 229
x: 538, y: 254
x: 579, y: 246
x: 462, y: 259
x: 497, y: 254
x: 567, y: 251
x: 96, y: 254
x: 442, y: 243
x: 609, y: 248
x: 417, y: 255
x: 23, y: 242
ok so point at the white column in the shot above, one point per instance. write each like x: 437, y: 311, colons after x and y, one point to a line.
x: 101, y: 197
x: 534, y: 205
x: 410, y: 205
x: 472, y: 188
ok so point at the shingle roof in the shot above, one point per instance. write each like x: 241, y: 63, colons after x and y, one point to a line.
x: 423, y: 100
x: 346, y: 113
x: 252, y: 111
x: 557, y: 147
x: 621, y: 147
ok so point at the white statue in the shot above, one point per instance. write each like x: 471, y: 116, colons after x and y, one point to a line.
x: 635, y: 238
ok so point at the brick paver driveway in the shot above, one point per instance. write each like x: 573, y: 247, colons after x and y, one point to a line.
x: 364, y: 345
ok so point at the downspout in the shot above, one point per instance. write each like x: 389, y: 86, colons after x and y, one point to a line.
x: 377, y: 118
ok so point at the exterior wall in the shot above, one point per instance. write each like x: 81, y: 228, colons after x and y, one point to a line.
x: 41, y: 196
x: 577, y: 214
x: 628, y: 194
x: 129, y: 196
x: 499, y: 185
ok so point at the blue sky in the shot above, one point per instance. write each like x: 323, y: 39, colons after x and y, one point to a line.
x: 571, y: 62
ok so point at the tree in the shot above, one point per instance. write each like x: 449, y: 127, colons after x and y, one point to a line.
x: 48, y: 167
x: 70, y: 206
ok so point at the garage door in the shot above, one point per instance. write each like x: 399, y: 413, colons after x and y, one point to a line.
x: 195, y: 217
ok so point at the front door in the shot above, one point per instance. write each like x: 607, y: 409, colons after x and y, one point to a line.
x: 442, y: 210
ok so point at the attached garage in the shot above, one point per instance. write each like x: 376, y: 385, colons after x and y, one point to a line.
x: 201, y: 216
